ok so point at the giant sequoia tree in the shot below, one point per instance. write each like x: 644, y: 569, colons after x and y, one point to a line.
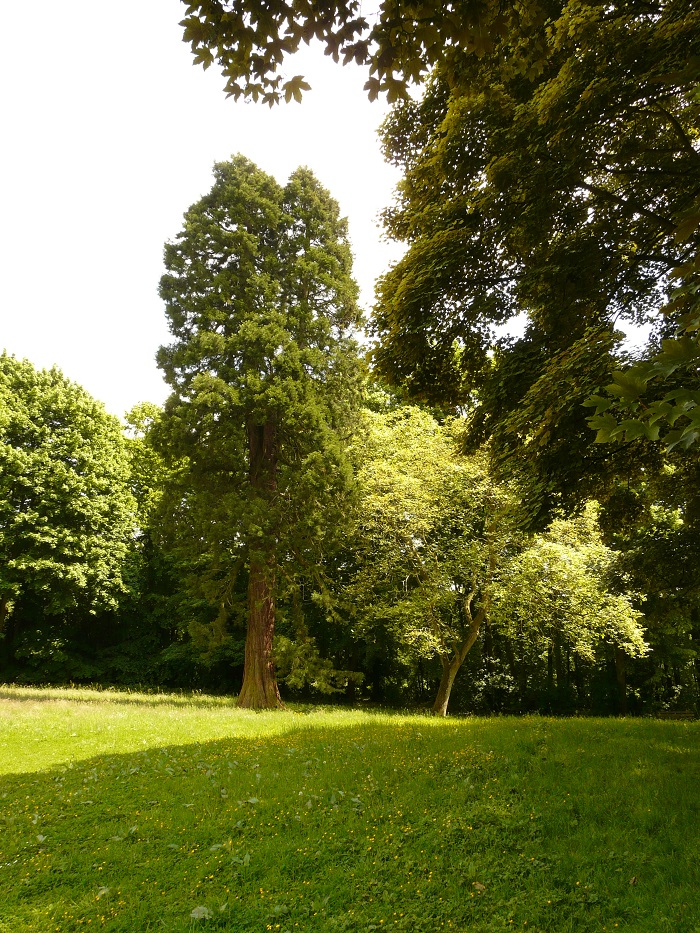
x: 260, y: 301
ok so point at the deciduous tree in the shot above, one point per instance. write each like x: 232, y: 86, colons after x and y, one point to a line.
x: 566, y: 591
x: 566, y: 193
x: 433, y: 530
x: 66, y: 511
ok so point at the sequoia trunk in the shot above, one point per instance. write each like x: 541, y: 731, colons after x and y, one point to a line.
x: 259, y: 690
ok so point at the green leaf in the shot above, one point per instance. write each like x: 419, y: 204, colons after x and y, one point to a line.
x: 633, y: 428
x: 294, y: 88
x: 687, y: 227
x: 681, y: 349
x: 598, y: 402
x: 627, y: 385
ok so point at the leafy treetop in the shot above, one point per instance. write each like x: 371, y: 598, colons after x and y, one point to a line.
x: 567, y: 194
x: 66, y: 511
x: 570, y: 193
x: 403, y: 41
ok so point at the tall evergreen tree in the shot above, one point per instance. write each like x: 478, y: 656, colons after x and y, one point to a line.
x: 261, y: 303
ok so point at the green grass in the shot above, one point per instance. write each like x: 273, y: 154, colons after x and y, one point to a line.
x: 131, y: 812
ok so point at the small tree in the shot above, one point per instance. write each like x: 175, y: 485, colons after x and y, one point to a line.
x: 566, y: 592
x: 66, y: 513
x: 432, y: 530
x: 260, y: 301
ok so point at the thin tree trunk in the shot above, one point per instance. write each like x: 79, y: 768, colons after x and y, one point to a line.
x: 7, y: 633
x: 578, y: 681
x: 518, y: 672
x: 621, y: 680
x: 4, y: 603
x: 695, y: 635
x: 559, y: 663
x: 259, y: 690
x: 449, y: 672
x: 451, y: 665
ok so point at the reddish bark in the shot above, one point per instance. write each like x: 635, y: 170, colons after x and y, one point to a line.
x: 259, y: 690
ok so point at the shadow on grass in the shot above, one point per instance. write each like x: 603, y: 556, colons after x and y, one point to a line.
x: 356, y: 821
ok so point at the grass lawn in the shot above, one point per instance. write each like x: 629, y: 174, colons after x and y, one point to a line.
x: 134, y: 813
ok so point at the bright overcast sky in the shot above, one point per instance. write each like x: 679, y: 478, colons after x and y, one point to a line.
x: 109, y: 134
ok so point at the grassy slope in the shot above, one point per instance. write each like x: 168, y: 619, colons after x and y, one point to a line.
x: 127, y: 813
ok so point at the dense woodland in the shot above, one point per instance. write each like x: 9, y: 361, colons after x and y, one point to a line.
x: 417, y: 507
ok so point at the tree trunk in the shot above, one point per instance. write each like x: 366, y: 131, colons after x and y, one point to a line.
x: 4, y: 604
x: 451, y: 665
x: 518, y: 672
x: 558, y: 663
x: 578, y: 681
x: 621, y: 681
x: 259, y: 690
x: 7, y: 634
x: 449, y: 672
x: 695, y: 635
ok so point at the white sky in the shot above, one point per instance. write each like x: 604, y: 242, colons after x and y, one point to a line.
x: 109, y: 133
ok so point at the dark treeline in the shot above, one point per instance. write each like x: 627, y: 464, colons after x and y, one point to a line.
x: 596, y: 612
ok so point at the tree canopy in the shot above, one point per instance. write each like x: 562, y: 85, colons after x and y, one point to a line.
x: 264, y: 370
x: 564, y: 197
x: 66, y: 511
x: 250, y: 41
x: 566, y: 585
x: 432, y: 529
x: 569, y: 193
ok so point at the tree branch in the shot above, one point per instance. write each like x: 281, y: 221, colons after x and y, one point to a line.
x: 680, y: 131
x: 635, y: 208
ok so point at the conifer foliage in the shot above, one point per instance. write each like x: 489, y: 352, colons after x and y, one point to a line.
x: 264, y: 371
